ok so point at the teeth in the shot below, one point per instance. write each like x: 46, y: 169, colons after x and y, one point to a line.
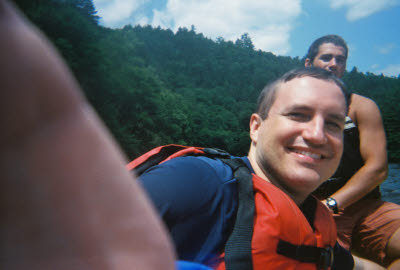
x: 316, y: 156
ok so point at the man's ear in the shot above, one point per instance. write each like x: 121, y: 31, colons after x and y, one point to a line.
x: 308, y: 63
x: 255, y: 124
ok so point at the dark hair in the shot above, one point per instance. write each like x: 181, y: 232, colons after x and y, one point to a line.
x: 334, y: 39
x: 268, y: 94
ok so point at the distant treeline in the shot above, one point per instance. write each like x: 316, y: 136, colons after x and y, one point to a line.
x: 152, y: 86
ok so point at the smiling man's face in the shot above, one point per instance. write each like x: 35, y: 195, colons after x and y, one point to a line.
x: 300, y: 143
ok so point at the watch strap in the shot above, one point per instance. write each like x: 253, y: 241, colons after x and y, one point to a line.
x: 332, y: 204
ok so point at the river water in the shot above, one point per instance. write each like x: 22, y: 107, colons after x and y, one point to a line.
x: 391, y: 187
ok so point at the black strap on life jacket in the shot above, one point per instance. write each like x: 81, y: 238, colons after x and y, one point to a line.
x: 323, y: 257
x: 238, y: 247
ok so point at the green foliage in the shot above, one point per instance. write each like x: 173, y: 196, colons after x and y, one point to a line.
x: 245, y: 42
x: 153, y: 87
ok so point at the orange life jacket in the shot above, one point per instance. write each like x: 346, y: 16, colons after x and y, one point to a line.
x: 270, y: 230
x: 280, y: 226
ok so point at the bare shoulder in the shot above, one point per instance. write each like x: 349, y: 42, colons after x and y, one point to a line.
x: 358, y: 102
x: 363, y: 108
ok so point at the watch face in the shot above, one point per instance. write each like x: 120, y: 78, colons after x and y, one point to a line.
x: 331, y: 203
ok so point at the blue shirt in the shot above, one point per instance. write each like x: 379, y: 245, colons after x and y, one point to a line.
x: 183, y: 265
x: 196, y: 198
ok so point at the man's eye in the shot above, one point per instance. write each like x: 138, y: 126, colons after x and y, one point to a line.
x: 334, y: 126
x: 340, y: 60
x: 298, y: 116
x: 326, y: 58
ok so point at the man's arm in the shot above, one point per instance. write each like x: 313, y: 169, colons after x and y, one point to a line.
x: 343, y: 259
x: 67, y: 201
x: 363, y: 264
x: 373, y: 151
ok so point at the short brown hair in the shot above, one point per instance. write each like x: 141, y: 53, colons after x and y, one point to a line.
x: 268, y: 94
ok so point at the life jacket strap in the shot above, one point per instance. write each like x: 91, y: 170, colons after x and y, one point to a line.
x: 322, y: 257
x: 238, y: 254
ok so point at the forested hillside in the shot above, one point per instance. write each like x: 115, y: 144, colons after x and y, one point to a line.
x: 152, y: 86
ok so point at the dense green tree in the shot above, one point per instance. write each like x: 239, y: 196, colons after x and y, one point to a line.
x: 245, y: 42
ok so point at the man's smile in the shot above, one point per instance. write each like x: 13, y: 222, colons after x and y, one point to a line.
x: 307, y: 153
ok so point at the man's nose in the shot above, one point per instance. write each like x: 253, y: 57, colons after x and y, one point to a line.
x: 333, y: 63
x: 315, y: 132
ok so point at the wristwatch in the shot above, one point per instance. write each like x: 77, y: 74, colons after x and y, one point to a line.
x: 332, y: 204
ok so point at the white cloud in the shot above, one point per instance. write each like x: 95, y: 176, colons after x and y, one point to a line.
x: 391, y: 70
x: 386, y: 49
x: 112, y: 12
x: 267, y: 22
x: 374, y: 66
x: 357, y: 9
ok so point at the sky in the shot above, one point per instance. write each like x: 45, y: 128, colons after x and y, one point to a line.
x: 371, y: 28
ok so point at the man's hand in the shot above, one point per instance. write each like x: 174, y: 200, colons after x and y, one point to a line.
x: 67, y: 201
